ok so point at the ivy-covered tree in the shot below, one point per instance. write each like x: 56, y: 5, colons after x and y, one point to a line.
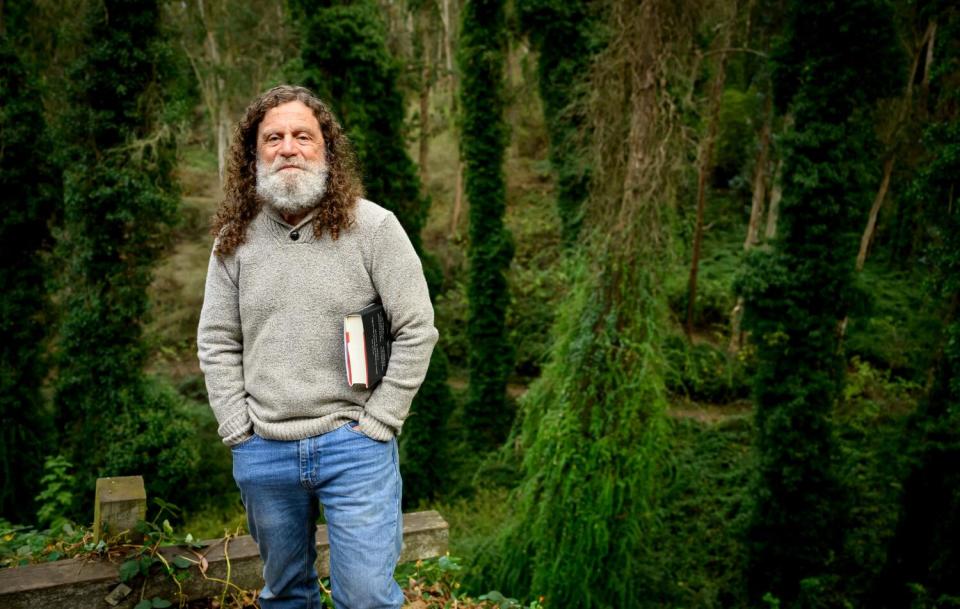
x: 346, y: 61
x: 483, y: 138
x: 565, y: 35
x: 828, y: 72
x: 591, y: 429
x: 119, y: 205
x: 28, y: 190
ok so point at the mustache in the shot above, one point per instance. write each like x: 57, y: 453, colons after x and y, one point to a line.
x: 282, y: 163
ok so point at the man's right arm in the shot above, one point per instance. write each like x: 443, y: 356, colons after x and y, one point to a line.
x: 220, y: 348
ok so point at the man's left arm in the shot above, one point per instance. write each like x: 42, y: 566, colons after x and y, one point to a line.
x: 398, y: 277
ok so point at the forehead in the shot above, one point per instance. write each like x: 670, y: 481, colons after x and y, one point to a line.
x: 290, y: 115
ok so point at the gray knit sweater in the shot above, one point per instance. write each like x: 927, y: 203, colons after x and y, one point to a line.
x: 270, y: 339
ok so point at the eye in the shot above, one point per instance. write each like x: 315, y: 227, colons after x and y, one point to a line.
x: 303, y: 137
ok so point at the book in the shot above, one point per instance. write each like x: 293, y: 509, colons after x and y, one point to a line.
x: 366, y: 345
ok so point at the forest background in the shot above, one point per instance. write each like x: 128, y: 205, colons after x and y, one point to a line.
x: 694, y: 266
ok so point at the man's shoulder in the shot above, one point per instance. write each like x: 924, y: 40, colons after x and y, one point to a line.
x: 369, y: 216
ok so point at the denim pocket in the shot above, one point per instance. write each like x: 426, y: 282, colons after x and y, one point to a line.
x: 245, y: 441
x: 354, y: 428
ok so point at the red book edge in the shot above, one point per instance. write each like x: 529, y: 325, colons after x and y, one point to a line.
x: 346, y: 336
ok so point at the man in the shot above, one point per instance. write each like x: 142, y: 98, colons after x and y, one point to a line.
x: 297, y: 249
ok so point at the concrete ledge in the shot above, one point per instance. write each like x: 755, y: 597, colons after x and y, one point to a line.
x: 84, y: 584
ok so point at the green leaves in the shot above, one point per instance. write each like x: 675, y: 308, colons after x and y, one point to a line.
x: 136, y: 566
x: 56, y: 498
x: 24, y: 545
x: 28, y: 195
x: 483, y: 138
x: 119, y: 204
x: 796, y: 294
x: 448, y: 564
x: 129, y: 569
x: 146, y: 556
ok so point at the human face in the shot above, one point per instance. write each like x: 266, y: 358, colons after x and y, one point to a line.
x: 290, y: 131
x: 291, y: 166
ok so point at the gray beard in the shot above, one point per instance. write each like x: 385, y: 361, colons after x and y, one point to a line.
x: 296, y: 192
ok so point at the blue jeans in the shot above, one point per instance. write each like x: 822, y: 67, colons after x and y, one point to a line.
x: 357, y: 479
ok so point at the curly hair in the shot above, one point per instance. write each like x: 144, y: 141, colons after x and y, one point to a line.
x: 241, y: 203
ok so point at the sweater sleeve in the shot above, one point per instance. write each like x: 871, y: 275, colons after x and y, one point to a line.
x: 220, y: 349
x: 398, y: 277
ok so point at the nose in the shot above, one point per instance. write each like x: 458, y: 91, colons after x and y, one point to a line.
x: 288, y: 146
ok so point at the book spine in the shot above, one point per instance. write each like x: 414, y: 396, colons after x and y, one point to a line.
x: 380, y: 336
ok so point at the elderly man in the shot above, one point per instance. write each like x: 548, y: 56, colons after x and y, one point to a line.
x: 297, y: 248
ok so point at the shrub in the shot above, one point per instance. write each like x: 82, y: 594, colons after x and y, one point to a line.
x: 155, y: 436
x: 705, y: 372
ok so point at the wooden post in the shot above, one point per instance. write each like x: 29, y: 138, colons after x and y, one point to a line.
x: 120, y: 503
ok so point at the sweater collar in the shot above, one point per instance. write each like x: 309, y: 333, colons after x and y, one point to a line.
x: 274, y: 215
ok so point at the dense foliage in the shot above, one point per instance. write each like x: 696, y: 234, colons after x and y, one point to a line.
x: 640, y: 471
x: 827, y: 72
x: 593, y: 425
x: 118, y: 208
x: 924, y: 556
x: 483, y: 140
x: 28, y: 188
x: 564, y: 34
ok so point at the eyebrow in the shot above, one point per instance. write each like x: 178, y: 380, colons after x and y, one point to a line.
x: 296, y: 129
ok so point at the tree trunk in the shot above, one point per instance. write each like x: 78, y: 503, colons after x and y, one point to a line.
x: 929, y: 62
x: 776, y: 193
x: 223, y: 137
x: 423, y: 26
x: 447, y: 35
x: 457, y: 202
x: 902, y: 116
x: 756, y: 212
x: 424, y: 124
x: 706, y: 167
x: 874, y: 211
x: 216, y: 90
x: 760, y: 179
x: 904, y: 111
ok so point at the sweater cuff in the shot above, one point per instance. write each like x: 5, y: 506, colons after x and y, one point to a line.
x: 375, y: 429
x: 236, y: 429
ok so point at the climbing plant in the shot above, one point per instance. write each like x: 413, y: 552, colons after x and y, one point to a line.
x: 566, y: 37
x: 28, y: 191
x: 828, y: 73
x: 119, y: 204
x: 483, y: 138
x: 590, y: 432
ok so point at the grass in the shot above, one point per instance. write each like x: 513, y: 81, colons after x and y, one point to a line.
x: 217, y: 522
